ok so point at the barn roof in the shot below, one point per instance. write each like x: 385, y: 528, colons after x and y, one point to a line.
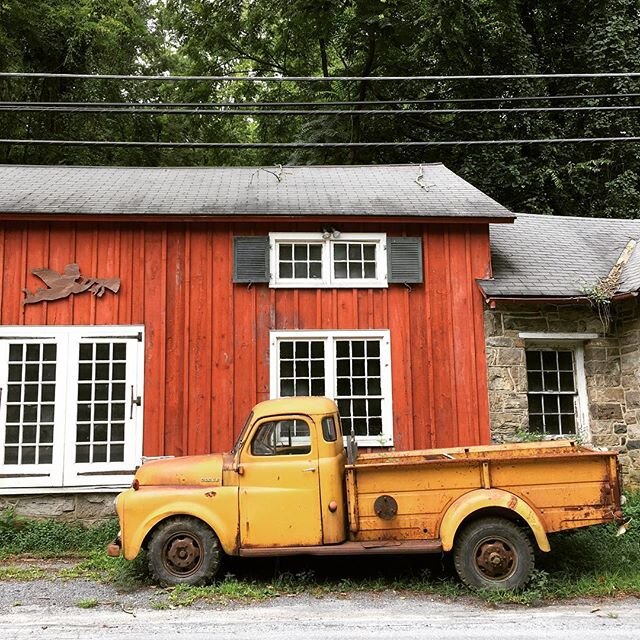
x: 425, y: 191
x: 555, y: 256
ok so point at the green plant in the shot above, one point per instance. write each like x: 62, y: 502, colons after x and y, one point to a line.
x: 88, y: 603
x: 50, y: 538
x: 523, y: 435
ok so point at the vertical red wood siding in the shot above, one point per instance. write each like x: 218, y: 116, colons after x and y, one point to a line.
x: 207, y: 340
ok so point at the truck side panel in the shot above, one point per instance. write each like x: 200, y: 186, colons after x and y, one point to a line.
x: 422, y: 492
x: 565, y: 491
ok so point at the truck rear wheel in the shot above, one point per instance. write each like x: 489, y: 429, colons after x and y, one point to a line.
x: 184, y: 551
x: 494, y: 554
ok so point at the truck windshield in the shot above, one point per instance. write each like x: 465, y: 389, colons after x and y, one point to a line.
x: 243, y: 433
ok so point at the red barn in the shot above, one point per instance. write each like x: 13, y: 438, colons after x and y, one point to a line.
x: 145, y: 310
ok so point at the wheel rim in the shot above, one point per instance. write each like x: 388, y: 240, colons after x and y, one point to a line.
x: 182, y: 554
x: 495, y: 558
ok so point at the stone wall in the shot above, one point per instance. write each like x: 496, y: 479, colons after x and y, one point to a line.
x: 612, y: 372
x: 85, y: 508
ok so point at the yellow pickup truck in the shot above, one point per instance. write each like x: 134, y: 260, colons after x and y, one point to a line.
x: 289, y: 487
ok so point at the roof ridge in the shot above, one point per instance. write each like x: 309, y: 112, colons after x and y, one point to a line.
x: 227, y: 168
x: 564, y: 217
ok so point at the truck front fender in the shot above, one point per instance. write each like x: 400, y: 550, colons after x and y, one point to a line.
x: 147, y: 508
x: 474, y: 501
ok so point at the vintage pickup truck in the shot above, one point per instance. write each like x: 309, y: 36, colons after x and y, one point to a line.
x: 288, y: 487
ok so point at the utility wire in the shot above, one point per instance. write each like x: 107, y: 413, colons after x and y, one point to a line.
x: 325, y: 103
x: 169, y: 78
x: 314, y: 145
x: 307, y: 112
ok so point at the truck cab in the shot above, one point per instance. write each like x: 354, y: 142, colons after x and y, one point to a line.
x: 290, y: 468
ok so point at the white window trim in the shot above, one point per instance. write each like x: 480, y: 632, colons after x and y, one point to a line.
x: 328, y: 281
x: 64, y: 476
x: 552, y: 342
x: 386, y: 437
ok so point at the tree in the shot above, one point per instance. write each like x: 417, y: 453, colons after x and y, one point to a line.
x: 347, y: 38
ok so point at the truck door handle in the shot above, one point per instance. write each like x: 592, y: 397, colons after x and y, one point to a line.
x: 310, y: 469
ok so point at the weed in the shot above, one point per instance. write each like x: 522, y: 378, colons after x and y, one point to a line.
x: 88, y: 603
x: 22, y: 574
x: 50, y: 538
x: 117, y: 571
x: 583, y: 563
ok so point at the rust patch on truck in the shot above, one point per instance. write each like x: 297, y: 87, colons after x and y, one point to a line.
x: 513, y: 502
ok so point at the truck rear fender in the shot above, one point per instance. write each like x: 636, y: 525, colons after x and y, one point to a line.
x: 139, y: 538
x: 490, y: 499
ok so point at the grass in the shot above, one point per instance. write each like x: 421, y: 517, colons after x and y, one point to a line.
x: 591, y: 562
x: 88, y: 603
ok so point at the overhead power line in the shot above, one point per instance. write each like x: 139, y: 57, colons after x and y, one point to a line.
x: 321, y: 103
x: 307, y: 112
x: 314, y: 145
x: 169, y: 78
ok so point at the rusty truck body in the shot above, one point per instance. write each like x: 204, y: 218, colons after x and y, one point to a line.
x: 288, y: 488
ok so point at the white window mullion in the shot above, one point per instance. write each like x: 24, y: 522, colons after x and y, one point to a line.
x: 330, y: 367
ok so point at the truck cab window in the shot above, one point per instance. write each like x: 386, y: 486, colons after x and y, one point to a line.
x: 329, y: 432
x: 282, y: 438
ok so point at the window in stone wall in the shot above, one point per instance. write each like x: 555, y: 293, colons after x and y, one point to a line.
x: 552, y: 392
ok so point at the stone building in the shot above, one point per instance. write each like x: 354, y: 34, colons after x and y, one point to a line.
x: 563, y: 333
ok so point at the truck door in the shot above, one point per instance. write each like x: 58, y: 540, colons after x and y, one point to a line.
x: 279, y: 485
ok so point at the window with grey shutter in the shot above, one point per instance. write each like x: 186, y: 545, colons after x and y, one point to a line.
x: 404, y: 257
x: 251, y: 259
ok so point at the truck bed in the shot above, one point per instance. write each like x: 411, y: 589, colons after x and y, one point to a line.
x: 566, y: 484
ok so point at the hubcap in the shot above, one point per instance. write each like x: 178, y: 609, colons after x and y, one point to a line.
x: 495, y: 558
x: 182, y: 554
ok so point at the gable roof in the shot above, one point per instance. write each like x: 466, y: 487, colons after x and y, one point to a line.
x: 555, y: 256
x: 375, y: 190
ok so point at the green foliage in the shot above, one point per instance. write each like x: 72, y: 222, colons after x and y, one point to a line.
x: 87, y: 603
x: 346, y: 38
x: 50, y: 538
x: 584, y: 563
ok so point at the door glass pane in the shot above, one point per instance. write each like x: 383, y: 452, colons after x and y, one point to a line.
x: 30, y: 411
x: 100, y: 411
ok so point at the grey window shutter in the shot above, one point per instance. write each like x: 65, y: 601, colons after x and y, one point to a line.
x: 251, y: 259
x: 404, y: 256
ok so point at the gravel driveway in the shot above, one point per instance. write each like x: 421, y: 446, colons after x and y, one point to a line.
x: 52, y: 609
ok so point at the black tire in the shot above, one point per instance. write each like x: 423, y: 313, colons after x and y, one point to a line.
x: 493, y: 554
x: 184, y: 550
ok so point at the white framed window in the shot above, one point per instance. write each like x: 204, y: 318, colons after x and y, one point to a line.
x: 70, y: 406
x: 351, y: 367
x: 556, y: 389
x: 328, y: 260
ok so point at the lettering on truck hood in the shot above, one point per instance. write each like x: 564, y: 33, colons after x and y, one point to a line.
x: 184, y: 471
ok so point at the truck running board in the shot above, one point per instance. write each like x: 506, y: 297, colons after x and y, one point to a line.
x: 350, y: 548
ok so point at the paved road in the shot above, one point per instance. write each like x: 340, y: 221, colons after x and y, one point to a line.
x: 379, y: 616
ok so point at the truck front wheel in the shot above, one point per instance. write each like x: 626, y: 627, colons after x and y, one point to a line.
x: 494, y: 554
x: 183, y: 551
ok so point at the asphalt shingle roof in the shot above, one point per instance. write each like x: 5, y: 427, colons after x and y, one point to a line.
x: 380, y: 190
x: 556, y: 256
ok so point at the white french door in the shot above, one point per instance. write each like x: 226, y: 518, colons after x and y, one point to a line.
x: 70, y: 405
